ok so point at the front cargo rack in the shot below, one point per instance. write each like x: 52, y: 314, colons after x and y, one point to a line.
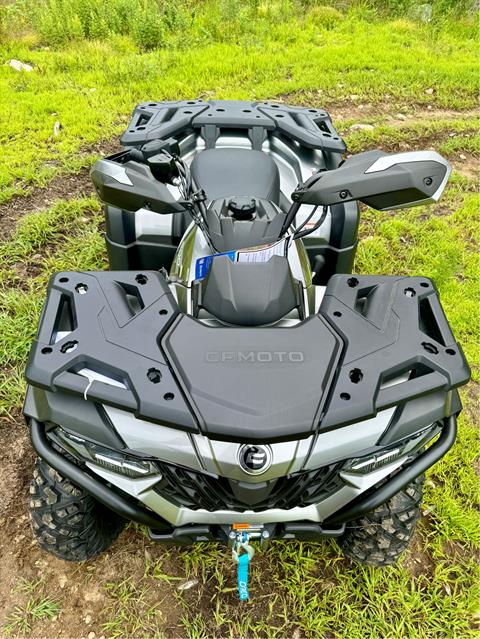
x: 119, y: 338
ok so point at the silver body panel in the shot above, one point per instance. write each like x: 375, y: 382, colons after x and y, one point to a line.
x: 142, y: 489
x: 221, y: 458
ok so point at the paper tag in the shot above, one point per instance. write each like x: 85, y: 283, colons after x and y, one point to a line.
x: 255, y: 254
x: 265, y: 252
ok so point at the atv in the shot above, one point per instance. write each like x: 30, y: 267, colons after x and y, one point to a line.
x: 229, y: 379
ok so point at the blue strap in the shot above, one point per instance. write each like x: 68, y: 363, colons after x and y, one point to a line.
x: 243, y: 576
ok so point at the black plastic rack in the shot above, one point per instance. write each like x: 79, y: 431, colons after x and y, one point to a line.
x: 311, y: 128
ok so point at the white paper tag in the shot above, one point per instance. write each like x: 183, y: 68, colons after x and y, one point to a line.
x: 265, y: 252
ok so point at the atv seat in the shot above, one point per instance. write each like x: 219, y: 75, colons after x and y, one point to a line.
x: 226, y: 172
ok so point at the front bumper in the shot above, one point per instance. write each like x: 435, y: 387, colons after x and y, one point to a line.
x: 167, y: 520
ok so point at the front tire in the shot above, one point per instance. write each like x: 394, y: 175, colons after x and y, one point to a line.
x: 67, y: 521
x: 382, y: 535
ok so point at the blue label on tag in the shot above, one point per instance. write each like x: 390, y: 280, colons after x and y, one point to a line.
x: 243, y: 576
x: 203, y: 264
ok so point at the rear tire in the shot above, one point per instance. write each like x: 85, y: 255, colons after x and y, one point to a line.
x: 67, y: 521
x: 382, y: 535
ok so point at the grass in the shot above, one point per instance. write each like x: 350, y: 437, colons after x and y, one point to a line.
x: 90, y: 86
x: 36, y: 608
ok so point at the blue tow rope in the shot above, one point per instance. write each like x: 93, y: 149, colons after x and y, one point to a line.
x: 243, y: 562
x: 242, y: 559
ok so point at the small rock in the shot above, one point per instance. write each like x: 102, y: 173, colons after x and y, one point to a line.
x: 463, y: 157
x: 91, y: 635
x: 62, y: 580
x: 401, y: 116
x: 452, y: 135
x: 422, y: 12
x: 187, y: 584
x: 429, y: 107
x: 88, y: 619
x: 362, y: 127
x: 354, y: 97
x: 20, y: 66
x: 429, y: 91
x: 56, y: 128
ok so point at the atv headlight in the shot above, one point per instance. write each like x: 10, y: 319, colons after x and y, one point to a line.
x: 407, y: 449
x: 113, y: 460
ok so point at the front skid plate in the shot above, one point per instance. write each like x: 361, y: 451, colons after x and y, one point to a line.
x: 187, y: 535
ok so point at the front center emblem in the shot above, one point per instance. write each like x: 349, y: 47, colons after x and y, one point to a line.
x: 255, y: 460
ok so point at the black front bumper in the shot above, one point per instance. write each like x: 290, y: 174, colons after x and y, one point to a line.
x: 162, y: 531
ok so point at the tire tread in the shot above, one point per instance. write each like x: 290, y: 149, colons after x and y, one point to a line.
x: 66, y: 521
x: 382, y: 535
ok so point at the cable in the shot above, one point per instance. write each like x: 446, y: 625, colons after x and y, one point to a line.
x: 317, y: 225
x: 297, y: 230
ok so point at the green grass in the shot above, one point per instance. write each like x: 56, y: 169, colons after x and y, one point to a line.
x: 36, y: 607
x: 322, y: 57
x: 90, y: 86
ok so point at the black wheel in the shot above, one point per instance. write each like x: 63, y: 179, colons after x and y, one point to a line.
x: 381, y: 536
x: 67, y: 521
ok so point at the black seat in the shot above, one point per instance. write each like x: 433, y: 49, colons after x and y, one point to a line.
x: 249, y: 294
x: 226, y: 172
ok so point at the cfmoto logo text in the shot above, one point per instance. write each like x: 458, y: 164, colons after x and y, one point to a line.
x: 255, y: 460
x: 258, y: 357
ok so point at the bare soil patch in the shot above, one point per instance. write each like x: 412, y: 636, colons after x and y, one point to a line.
x: 79, y: 589
x: 61, y: 187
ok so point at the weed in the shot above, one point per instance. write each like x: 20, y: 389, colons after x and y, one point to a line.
x: 36, y: 609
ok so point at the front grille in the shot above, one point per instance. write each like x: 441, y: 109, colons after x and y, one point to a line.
x: 195, y: 490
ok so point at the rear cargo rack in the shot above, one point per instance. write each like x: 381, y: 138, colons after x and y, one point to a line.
x: 311, y: 128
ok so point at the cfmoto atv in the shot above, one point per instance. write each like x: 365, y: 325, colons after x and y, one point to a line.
x: 229, y: 379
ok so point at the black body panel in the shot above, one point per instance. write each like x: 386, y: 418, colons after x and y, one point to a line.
x: 257, y: 384
x: 229, y: 232
x: 391, y: 326
x: 250, y: 384
x: 249, y: 294
x: 116, y: 327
